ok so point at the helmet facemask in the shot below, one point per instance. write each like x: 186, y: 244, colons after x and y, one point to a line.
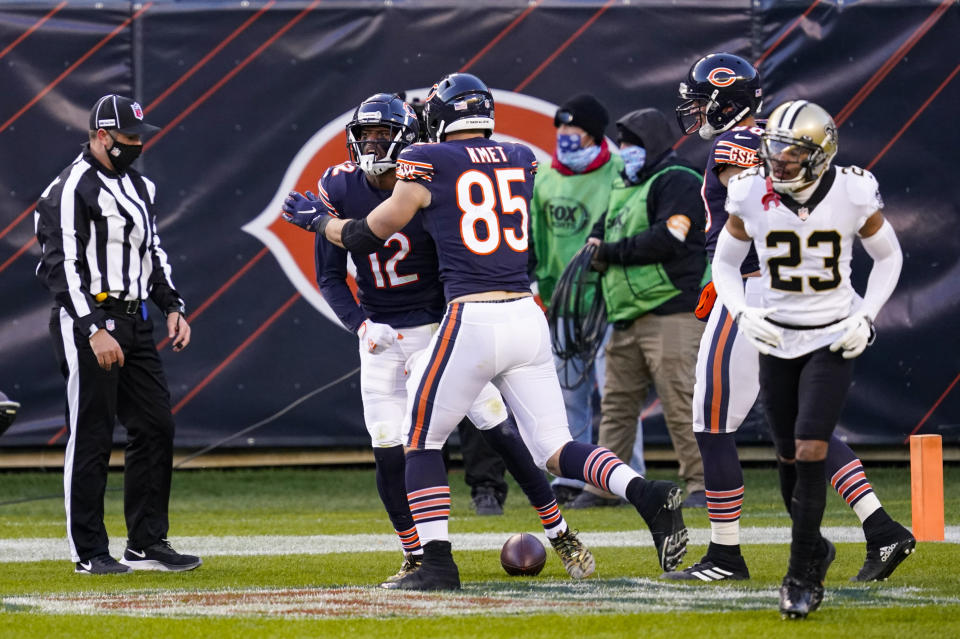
x: 721, y: 90
x: 376, y: 156
x: 398, y: 126
x: 792, y: 165
x: 707, y: 115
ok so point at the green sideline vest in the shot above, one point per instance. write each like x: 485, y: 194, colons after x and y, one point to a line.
x: 631, y: 291
x: 563, y: 211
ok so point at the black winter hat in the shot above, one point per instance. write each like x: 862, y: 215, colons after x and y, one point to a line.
x: 117, y: 113
x: 586, y: 112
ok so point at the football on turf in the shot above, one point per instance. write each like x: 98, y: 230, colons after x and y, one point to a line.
x: 523, y: 554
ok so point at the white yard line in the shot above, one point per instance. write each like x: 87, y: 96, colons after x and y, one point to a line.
x: 45, y: 549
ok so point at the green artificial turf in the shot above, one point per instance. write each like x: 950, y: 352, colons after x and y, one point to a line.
x: 924, y: 593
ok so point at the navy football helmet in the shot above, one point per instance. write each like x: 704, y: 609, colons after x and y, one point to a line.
x: 458, y: 102
x: 721, y: 89
x: 375, y: 157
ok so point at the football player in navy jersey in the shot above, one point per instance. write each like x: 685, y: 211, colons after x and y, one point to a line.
x: 472, y: 194
x: 401, y: 303
x: 721, y: 98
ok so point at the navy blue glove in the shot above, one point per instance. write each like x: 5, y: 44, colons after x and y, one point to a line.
x: 302, y: 211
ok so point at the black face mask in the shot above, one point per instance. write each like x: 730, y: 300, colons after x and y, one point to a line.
x: 122, y: 155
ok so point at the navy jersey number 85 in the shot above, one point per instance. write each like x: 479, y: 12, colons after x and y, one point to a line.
x: 489, y: 184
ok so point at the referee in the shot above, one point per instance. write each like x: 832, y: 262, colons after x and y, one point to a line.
x: 101, y: 259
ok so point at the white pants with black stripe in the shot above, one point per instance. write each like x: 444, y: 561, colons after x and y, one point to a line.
x: 506, y: 343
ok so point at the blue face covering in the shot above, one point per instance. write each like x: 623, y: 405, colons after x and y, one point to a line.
x: 571, y: 155
x: 633, y: 159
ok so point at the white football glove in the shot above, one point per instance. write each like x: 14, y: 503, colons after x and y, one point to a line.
x: 753, y: 323
x: 377, y: 337
x: 857, y: 335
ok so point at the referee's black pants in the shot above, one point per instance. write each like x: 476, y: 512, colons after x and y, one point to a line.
x: 137, y: 394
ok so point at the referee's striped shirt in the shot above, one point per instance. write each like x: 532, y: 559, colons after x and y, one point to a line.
x: 98, y: 234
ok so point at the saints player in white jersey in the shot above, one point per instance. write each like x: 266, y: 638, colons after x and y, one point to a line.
x: 801, y: 214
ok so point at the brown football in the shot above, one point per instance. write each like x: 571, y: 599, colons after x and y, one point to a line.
x: 523, y: 554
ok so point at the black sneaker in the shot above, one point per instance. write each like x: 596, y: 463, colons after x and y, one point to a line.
x: 882, y: 560
x: 587, y: 499
x: 660, y: 509
x: 437, y: 572
x: 101, y: 565
x: 708, y: 569
x: 696, y: 499
x: 565, y: 494
x: 818, y: 570
x: 159, y: 556
x: 797, y: 597
x: 485, y: 503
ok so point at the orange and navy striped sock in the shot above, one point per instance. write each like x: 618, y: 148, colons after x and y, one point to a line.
x: 849, y: 480
x: 723, y: 509
x: 428, y: 494
x: 390, y: 471
x: 723, y: 477
x: 551, y: 518
x: 596, y: 465
x: 410, y: 541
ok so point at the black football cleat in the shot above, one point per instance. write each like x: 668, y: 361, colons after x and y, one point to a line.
x: 437, y: 571
x: 660, y: 509
x: 819, y: 568
x: 883, y: 560
x: 797, y: 597
x: 708, y: 569
x: 410, y: 564
x: 577, y: 558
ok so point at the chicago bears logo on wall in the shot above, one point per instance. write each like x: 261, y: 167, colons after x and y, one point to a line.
x: 520, y: 118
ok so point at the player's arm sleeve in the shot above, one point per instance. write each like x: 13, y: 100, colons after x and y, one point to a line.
x: 726, y: 271
x: 331, y: 264
x: 884, y: 248
x: 676, y: 212
x: 63, y: 223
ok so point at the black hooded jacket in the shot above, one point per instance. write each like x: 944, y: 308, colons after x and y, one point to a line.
x: 673, y: 193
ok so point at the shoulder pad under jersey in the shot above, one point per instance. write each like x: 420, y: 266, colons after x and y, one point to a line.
x: 333, y: 185
x: 740, y: 185
x: 862, y: 187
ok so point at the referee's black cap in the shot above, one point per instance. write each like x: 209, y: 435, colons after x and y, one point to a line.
x: 116, y: 113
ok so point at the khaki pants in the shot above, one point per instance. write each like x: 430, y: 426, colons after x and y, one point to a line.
x: 659, y: 350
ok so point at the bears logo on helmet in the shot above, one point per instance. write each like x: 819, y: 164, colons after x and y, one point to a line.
x: 721, y: 89
x: 722, y: 77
